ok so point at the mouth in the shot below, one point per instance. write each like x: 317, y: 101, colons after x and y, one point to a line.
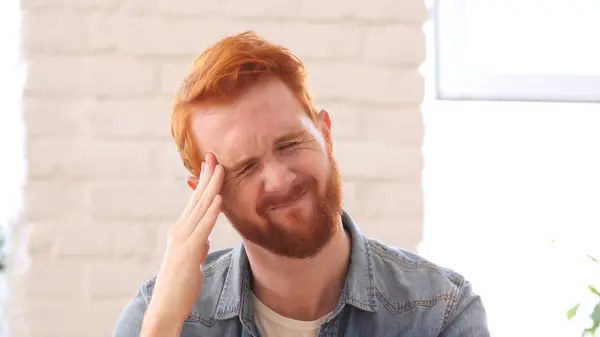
x: 288, y: 203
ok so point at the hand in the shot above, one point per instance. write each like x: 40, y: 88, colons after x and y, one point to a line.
x: 179, y: 279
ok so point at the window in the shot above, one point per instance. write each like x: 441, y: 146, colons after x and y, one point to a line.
x: 523, y: 50
x: 502, y: 179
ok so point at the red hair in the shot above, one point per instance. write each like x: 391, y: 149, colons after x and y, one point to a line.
x: 224, y: 71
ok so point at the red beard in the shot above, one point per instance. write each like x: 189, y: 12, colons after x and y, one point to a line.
x: 322, y: 225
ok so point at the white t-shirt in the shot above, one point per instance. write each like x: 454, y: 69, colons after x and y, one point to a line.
x: 272, y: 324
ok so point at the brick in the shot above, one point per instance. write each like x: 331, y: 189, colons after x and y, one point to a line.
x: 391, y: 199
x: 261, y: 8
x: 103, y: 31
x: 172, y: 75
x: 324, y: 10
x: 403, y: 127
x: 54, y: 200
x: 403, y: 44
x: 158, y: 36
x: 111, y: 76
x: 131, y: 120
x: 84, y: 241
x: 62, y: 31
x: 161, y: 35
x: 56, y: 117
x: 409, y: 11
x: 42, y: 237
x: 138, y: 200
x: 68, y: 318
x: 378, y: 160
x: 255, y: 9
x: 401, y: 233
x: 133, y: 239
x: 171, y: 164
x: 55, y: 323
x: 114, y: 279
x: 314, y: 40
x: 100, y: 317
x: 18, y: 324
x: 351, y: 201
x: 122, y: 240
x: 60, y: 318
x: 135, y: 7
x: 187, y: 7
x: 86, y: 159
x: 162, y: 236
x: 398, y: 126
x: 60, y: 280
x: 71, y: 318
x: 360, y: 82
x: 79, y: 4
x: 41, y: 305
x: 346, y: 120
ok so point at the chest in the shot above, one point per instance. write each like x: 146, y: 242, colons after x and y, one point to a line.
x: 349, y: 323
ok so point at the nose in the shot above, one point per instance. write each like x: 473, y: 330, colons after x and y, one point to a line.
x: 277, y: 178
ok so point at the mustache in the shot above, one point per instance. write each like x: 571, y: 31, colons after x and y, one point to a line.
x: 274, y: 200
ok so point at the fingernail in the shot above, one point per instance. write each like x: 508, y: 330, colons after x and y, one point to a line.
x: 202, y: 168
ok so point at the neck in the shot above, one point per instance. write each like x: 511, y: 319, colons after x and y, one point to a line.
x: 302, y: 289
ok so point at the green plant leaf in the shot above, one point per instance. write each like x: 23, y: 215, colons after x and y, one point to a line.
x: 573, y: 311
x: 592, y: 258
x: 594, y: 291
x: 595, y: 316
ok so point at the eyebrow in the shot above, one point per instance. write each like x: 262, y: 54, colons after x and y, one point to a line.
x: 281, y: 139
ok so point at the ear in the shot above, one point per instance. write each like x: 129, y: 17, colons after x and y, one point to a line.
x: 192, y: 182
x: 324, y: 122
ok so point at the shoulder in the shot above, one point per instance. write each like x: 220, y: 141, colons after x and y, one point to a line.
x: 215, y: 266
x: 405, y: 280
x: 215, y: 269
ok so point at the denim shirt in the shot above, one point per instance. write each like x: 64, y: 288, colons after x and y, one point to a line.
x: 388, y: 292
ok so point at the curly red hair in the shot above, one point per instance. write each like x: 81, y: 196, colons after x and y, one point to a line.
x: 224, y: 71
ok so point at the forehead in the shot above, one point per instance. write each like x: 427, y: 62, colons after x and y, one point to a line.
x: 249, y: 124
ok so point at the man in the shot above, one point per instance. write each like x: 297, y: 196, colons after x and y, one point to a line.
x: 260, y: 153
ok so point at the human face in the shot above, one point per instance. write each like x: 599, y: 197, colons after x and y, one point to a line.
x: 282, y: 187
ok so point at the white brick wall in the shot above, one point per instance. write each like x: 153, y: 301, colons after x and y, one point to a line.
x: 104, y: 179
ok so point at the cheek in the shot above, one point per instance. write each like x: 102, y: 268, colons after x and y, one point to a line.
x: 315, y: 164
x: 239, y: 197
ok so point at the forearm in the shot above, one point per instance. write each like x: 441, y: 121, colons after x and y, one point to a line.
x: 157, y: 325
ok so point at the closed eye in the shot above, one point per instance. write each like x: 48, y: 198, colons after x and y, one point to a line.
x: 288, y: 145
x: 246, y: 169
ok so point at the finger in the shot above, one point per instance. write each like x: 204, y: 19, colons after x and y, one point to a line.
x: 211, y: 191
x: 208, y: 222
x: 195, y: 194
x: 207, y: 170
x: 205, y: 250
x: 210, y: 163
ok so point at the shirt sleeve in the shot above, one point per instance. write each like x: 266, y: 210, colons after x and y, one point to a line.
x: 130, y: 320
x: 467, y: 316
